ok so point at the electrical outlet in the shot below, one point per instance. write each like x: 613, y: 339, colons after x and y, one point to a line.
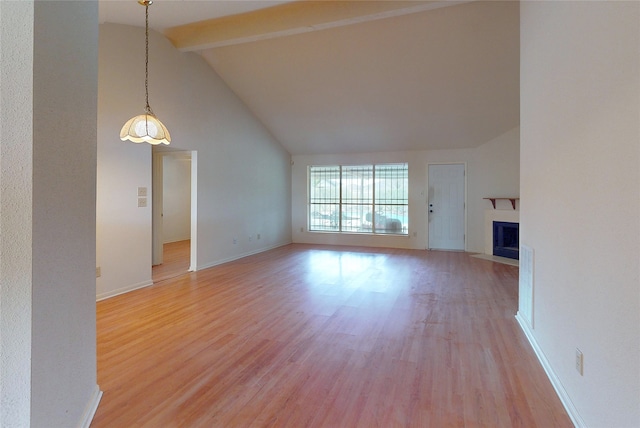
x: 250, y: 238
x: 142, y: 191
x: 258, y: 236
x: 579, y: 362
x: 98, y: 272
x: 235, y: 241
x: 301, y: 229
x: 142, y: 202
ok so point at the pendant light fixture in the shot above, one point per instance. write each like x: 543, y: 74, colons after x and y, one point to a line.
x: 145, y: 127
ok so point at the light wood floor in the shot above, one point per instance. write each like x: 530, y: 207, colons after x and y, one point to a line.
x: 307, y: 336
x: 175, y: 261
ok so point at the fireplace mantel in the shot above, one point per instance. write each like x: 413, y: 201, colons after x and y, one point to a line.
x: 512, y: 200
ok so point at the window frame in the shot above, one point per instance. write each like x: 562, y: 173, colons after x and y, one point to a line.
x: 326, y: 213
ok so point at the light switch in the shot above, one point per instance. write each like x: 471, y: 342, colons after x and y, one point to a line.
x: 142, y: 202
x: 142, y: 191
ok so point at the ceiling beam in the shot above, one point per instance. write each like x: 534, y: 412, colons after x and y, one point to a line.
x: 291, y: 18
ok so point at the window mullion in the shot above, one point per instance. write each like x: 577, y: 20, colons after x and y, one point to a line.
x: 373, y: 199
x: 340, y: 204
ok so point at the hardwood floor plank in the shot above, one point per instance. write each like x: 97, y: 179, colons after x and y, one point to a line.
x: 175, y: 261
x: 314, y: 336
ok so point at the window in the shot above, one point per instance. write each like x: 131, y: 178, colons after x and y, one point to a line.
x: 359, y: 199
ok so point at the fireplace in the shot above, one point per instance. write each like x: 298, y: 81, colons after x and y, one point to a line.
x: 506, y: 239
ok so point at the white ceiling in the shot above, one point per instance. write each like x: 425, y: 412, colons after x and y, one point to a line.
x: 447, y: 77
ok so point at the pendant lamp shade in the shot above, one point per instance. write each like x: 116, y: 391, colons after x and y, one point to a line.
x: 145, y: 128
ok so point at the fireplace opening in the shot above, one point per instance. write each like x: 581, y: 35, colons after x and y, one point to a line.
x: 506, y: 239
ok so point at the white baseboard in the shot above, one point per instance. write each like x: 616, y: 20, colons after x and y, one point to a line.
x: 123, y: 290
x: 91, y: 408
x: 129, y: 288
x: 240, y: 256
x: 577, y: 420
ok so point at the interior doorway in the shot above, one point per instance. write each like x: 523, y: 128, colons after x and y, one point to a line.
x: 446, y: 206
x: 173, y: 211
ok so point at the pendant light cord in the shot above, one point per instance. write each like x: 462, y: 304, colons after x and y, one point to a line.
x: 146, y: 56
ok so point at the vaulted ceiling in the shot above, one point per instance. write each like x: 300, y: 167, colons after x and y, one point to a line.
x: 355, y: 76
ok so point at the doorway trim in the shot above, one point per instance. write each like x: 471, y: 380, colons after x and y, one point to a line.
x: 193, y: 263
x: 157, y: 206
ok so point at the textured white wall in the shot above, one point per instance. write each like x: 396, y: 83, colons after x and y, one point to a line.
x: 243, y: 179
x: 492, y: 170
x: 47, y: 222
x: 64, y: 164
x: 580, y: 184
x: 16, y: 128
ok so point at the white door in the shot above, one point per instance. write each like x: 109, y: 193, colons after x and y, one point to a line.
x: 446, y: 206
x: 156, y: 208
